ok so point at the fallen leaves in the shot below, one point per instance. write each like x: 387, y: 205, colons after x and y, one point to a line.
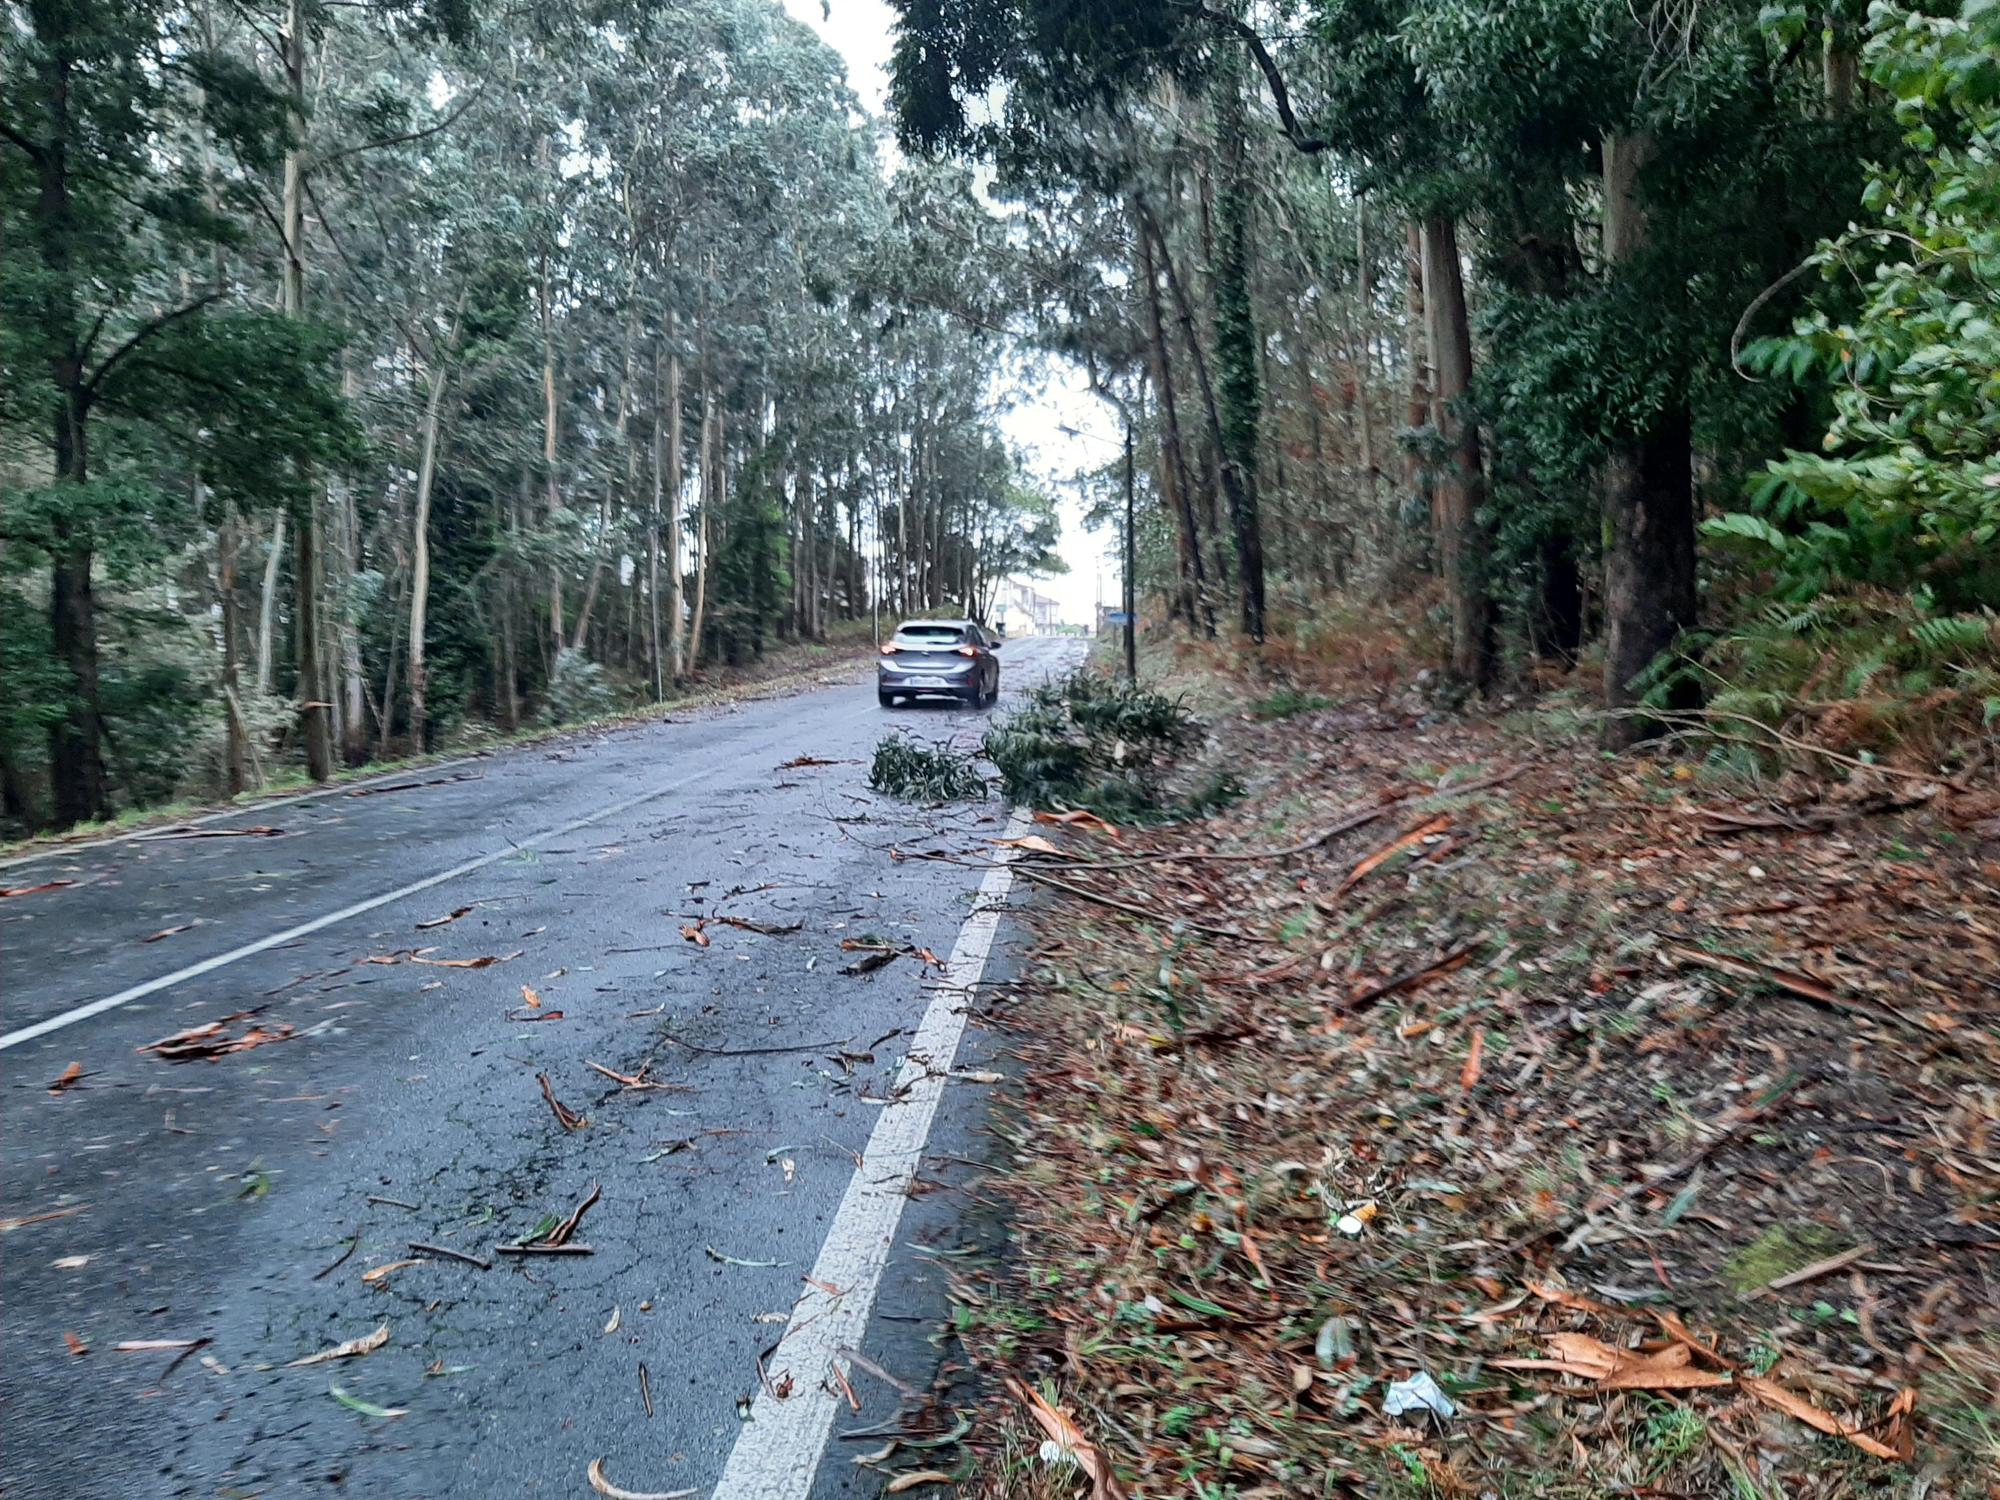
x: 595, y: 1474
x: 8, y: 893
x: 376, y: 1275
x: 694, y: 933
x: 1069, y: 1438
x: 365, y: 1408
x: 450, y: 917
x: 915, y: 1480
x: 212, y: 1039
x: 77, y: 1346
x: 566, y: 1117
x: 637, y: 1080
x: 68, y: 1079
x: 354, y: 1348
x: 1406, y: 840
x: 8, y: 1226
x: 1076, y: 817
x: 1774, y: 1395
x: 1667, y: 1369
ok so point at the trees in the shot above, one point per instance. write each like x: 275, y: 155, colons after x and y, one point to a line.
x: 394, y: 333
x: 1592, y: 193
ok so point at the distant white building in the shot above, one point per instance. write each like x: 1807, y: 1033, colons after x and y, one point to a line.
x: 1023, y: 610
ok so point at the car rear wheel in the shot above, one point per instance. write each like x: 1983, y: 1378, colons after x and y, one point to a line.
x: 887, y: 700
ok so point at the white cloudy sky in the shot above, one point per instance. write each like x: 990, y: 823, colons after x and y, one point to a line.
x: 1041, y: 421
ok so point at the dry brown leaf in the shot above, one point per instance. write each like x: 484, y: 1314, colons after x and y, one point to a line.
x: 212, y: 1040
x: 71, y: 1075
x: 1076, y: 817
x: 368, y: 1343
x: 695, y: 935
x: 76, y: 1345
x: 904, y: 1482
x: 1619, y: 1369
x: 442, y: 921
x: 1468, y: 1076
x: 1034, y: 843
x: 530, y: 999
x: 603, y: 1486
x: 486, y: 962
x: 35, y: 890
x: 382, y: 1272
x: 1407, y: 840
x: 566, y: 1117
x: 1069, y: 1437
x: 1772, y: 1394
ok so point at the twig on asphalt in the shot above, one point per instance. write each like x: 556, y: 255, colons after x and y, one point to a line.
x: 353, y: 1244
x: 450, y: 1254
x: 543, y: 1250
x: 754, y: 1051
x: 392, y: 1202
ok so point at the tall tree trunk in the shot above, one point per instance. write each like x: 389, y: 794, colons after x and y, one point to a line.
x: 654, y: 664
x: 1417, y: 413
x: 314, y: 705
x: 267, y: 603
x: 236, y: 743
x: 1238, y: 360
x: 545, y: 292
x: 1196, y: 605
x: 710, y: 490
x: 1242, y: 506
x: 1364, y: 366
x: 1461, y: 482
x: 420, y: 553
x: 354, y: 725
x: 1649, y: 520
x: 676, y: 572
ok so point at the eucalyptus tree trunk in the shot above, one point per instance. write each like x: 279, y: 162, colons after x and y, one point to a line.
x: 420, y: 553
x: 1649, y: 520
x: 1364, y: 370
x: 236, y: 747
x: 267, y: 604
x: 1238, y: 359
x: 1460, y: 484
x: 676, y: 573
x: 655, y: 666
x: 1242, y: 511
x: 551, y: 413
x: 710, y: 490
x: 1417, y: 412
x: 315, y: 718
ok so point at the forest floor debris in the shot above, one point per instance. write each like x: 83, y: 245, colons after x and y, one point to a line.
x: 1673, y: 1103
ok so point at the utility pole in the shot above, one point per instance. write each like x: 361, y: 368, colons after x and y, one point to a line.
x: 1131, y: 584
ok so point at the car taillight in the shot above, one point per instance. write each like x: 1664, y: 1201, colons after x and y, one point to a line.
x: 890, y: 650
x: 968, y: 650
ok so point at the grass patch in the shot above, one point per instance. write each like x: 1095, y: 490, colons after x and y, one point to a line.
x: 1287, y: 703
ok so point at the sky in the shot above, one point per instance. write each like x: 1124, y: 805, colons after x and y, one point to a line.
x: 1057, y: 425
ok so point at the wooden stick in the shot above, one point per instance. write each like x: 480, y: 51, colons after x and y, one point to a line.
x: 1116, y: 905
x: 543, y: 1250
x: 450, y: 1254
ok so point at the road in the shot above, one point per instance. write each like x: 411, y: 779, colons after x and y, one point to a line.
x: 214, y: 1198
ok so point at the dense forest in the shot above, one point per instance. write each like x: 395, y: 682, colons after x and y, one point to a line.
x: 377, y: 376
x: 373, y: 376
x: 1646, y: 345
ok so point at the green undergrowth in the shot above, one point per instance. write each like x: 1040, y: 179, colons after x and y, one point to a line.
x: 1107, y: 746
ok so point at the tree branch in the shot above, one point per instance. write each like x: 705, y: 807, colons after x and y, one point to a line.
x: 36, y: 152
x: 1281, y: 96
x: 398, y: 140
x: 95, y: 383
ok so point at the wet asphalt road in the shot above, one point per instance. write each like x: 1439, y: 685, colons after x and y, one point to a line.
x: 210, y: 1199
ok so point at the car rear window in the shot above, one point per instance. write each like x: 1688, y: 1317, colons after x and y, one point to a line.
x: 931, y: 635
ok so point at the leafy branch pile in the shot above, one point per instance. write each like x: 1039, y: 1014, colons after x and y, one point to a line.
x: 924, y: 773
x: 1093, y: 742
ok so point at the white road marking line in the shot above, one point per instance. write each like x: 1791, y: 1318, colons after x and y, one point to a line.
x: 778, y: 1453
x: 223, y: 960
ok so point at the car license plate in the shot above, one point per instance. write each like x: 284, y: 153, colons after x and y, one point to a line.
x: 929, y: 682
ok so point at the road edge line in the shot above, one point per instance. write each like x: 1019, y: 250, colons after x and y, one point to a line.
x: 777, y: 1454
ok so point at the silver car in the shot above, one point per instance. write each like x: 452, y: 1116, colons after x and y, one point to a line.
x: 939, y: 658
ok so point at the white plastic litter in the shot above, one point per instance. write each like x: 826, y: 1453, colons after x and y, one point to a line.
x: 1418, y: 1393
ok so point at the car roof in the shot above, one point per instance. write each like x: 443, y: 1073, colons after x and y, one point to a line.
x: 947, y: 624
